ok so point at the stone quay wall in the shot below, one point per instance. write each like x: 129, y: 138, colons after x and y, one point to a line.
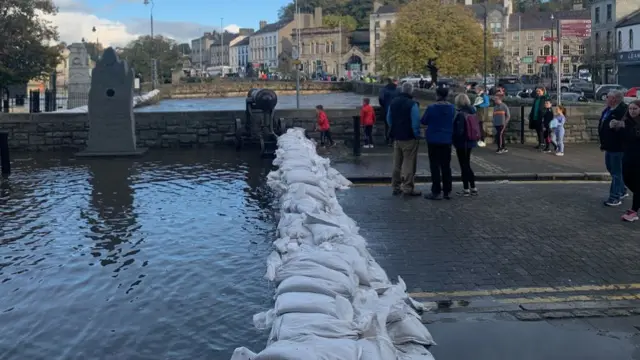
x: 581, y: 126
x: 235, y: 88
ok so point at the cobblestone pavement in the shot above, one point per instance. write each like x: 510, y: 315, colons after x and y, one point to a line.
x: 579, y: 158
x: 511, y: 236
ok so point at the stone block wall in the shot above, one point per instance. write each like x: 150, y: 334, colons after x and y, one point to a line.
x: 60, y: 131
x: 234, y: 88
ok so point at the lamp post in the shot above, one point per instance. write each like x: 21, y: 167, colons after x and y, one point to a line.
x: 551, y: 65
x: 221, y: 45
x: 296, y: 56
x: 486, y: 15
x: 154, y: 70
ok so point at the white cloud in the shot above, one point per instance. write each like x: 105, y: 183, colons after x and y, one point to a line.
x: 75, y: 20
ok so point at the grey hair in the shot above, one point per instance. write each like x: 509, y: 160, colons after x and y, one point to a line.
x: 407, y: 88
x: 462, y: 100
x: 617, y: 94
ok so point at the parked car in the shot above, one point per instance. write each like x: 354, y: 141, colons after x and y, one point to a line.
x: 581, y: 86
x: 511, y: 84
x: 573, y: 97
x: 415, y: 79
x: 603, y: 90
x: 632, y: 95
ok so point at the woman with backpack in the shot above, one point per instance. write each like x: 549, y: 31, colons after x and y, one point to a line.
x: 465, y: 133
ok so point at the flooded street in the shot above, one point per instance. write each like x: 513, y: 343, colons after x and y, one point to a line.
x: 159, y: 257
x: 329, y: 101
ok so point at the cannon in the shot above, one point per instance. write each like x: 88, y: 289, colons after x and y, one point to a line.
x: 260, y: 123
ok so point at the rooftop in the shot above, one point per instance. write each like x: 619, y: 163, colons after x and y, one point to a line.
x: 542, y: 20
x: 243, y: 42
x: 273, y: 27
x: 630, y: 20
x: 387, y: 9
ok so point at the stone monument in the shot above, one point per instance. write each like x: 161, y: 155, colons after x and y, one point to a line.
x: 112, y: 127
x: 79, y: 76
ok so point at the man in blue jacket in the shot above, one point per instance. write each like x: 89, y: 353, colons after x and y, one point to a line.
x: 611, y: 142
x: 439, y: 121
x: 482, y: 105
x: 386, y: 96
x: 403, y: 118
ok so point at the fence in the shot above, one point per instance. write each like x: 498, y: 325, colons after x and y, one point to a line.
x: 48, y: 101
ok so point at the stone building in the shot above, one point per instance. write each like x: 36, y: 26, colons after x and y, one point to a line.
x: 200, y: 50
x: 628, y: 47
x: 528, y: 44
x: 605, y: 14
x: 272, y: 42
x: 333, y: 51
x: 239, y: 55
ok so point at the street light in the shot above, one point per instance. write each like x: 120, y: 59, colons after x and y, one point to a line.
x: 153, y: 61
x: 484, y: 4
x: 551, y: 65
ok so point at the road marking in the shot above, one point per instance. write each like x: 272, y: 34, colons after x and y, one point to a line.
x: 498, y: 182
x: 522, y: 291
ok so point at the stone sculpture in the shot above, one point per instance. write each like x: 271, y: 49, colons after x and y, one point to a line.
x: 79, y: 76
x: 112, y: 127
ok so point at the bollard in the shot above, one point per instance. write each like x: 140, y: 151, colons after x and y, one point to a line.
x: 5, y: 105
x: 521, y: 124
x: 356, y: 136
x: 5, y: 164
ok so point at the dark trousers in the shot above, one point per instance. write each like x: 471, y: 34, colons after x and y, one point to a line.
x: 499, y: 137
x: 440, y: 166
x: 539, y: 132
x: 325, y: 136
x: 482, y: 115
x: 548, y: 139
x: 631, y: 176
x: 368, y: 134
x: 387, y: 130
x: 464, y: 159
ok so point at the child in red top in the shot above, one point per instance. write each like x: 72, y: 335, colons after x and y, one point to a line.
x: 367, y: 119
x: 323, y: 126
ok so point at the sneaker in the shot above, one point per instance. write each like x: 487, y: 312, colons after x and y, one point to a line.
x: 465, y: 193
x: 413, y: 193
x: 499, y: 151
x: 630, y: 216
x: 559, y: 154
x: 612, y: 203
x: 481, y: 143
x: 505, y: 150
x: 371, y: 146
x: 446, y: 196
x: 474, y: 192
x: 625, y: 195
x: 432, y: 196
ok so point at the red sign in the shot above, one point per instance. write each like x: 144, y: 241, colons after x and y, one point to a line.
x: 541, y: 59
x: 551, y: 59
x: 575, y: 28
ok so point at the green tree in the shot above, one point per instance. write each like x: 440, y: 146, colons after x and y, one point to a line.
x: 139, y: 53
x: 25, y: 38
x: 360, y: 10
x: 333, y: 21
x: 419, y: 34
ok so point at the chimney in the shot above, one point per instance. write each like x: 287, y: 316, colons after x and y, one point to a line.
x: 317, y: 17
x: 577, y: 5
x: 263, y: 23
x: 468, y: 2
x: 376, y: 6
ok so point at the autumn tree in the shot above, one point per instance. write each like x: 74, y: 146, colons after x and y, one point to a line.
x: 334, y: 21
x: 425, y: 29
x: 139, y: 53
x: 28, y: 47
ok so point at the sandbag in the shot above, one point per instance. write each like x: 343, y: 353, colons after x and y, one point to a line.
x: 409, y: 330
x: 313, y: 285
x: 301, y: 205
x: 413, y: 352
x: 310, y: 303
x: 301, y: 176
x: 311, y: 348
x: 314, y: 270
x: 322, y: 233
x: 328, y: 259
x: 375, y: 343
x: 294, y: 326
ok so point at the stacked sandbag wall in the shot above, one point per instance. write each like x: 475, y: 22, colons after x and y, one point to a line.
x: 332, y: 299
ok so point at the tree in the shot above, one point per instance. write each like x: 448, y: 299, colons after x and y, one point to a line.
x: 25, y: 37
x: 334, y: 21
x: 419, y: 34
x: 139, y: 53
x: 184, y: 49
x: 360, y: 10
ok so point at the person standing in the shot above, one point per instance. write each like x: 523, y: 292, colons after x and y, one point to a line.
x: 367, y: 118
x: 629, y: 126
x: 501, y: 117
x: 611, y: 142
x: 536, y: 116
x: 560, y: 119
x: 386, y: 96
x: 482, y: 106
x: 439, y: 134
x: 548, y: 131
x: 322, y: 122
x: 464, y: 126
x: 403, y: 119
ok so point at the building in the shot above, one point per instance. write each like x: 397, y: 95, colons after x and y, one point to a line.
x: 382, y: 17
x: 628, y: 50
x: 605, y: 14
x: 271, y: 44
x: 219, y: 49
x: 239, y: 55
x: 200, y: 50
x: 530, y: 49
x: 331, y: 51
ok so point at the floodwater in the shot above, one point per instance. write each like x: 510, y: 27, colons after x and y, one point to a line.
x: 330, y: 101
x: 160, y: 257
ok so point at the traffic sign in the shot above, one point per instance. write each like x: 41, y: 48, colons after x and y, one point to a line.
x: 575, y: 28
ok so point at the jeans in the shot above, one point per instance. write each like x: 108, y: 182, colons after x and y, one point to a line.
x: 613, y: 162
x: 405, y: 163
x: 464, y: 159
x: 482, y: 115
x: 499, y: 137
x: 440, y: 166
x: 537, y: 126
x: 559, y: 132
x: 368, y: 135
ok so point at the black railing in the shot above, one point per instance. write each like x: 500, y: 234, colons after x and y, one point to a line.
x: 48, y: 101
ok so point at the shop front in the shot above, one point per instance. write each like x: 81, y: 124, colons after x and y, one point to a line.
x: 629, y: 68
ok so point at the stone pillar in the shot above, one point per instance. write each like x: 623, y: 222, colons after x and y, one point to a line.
x: 79, y: 76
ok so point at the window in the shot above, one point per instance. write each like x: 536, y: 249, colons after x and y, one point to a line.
x: 581, y: 49
x: 496, y: 27
x: 333, y: 47
x: 547, y: 34
x: 515, y: 51
x: 597, y: 43
x: 327, y: 47
x: 597, y: 15
x: 609, y: 42
x: 515, y: 36
x: 529, y: 51
x: 530, y: 36
x: 609, y: 12
x: 565, y: 49
x: 566, y: 68
x: 377, y: 25
x: 545, y: 51
x: 529, y: 68
x: 630, y: 39
x: 619, y: 40
x: 317, y: 48
x: 497, y: 43
x: 377, y: 36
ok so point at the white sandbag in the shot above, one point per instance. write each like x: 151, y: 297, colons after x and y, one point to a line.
x: 313, y: 285
x: 301, y: 205
x: 329, y: 259
x: 301, y: 176
x: 264, y: 320
x: 409, y: 330
x: 274, y: 261
x: 292, y: 226
x: 323, y: 219
x: 310, y: 303
x: 352, y: 256
x: 322, y: 233
x: 341, y: 181
x: 315, y: 270
x: 311, y: 348
x: 294, y: 326
x: 315, y: 192
x: 242, y: 353
x: 375, y: 344
x: 413, y: 352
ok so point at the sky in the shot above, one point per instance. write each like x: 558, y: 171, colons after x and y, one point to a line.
x: 119, y: 21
